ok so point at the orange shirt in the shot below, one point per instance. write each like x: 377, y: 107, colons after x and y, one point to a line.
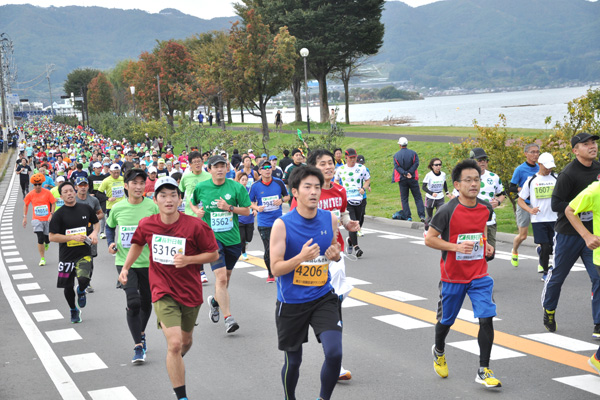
x: 41, y: 202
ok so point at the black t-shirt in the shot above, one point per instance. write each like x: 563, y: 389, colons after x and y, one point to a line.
x: 127, y: 165
x: 95, y: 181
x: 570, y: 182
x: 79, y: 220
x: 23, y: 171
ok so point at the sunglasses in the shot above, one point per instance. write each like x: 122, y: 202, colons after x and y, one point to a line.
x: 267, y: 167
x: 437, y: 165
x: 482, y: 160
x: 37, y: 184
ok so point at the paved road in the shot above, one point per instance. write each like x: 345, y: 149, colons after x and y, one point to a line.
x: 387, y: 336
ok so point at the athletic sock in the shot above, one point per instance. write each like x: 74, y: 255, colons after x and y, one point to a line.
x: 180, y: 392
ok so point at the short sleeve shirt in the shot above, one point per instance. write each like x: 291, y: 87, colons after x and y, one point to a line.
x: 538, y: 189
x: 41, y: 203
x: 352, y: 178
x: 435, y: 183
x: 264, y: 195
x: 113, y: 188
x: 586, y: 201
x: 188, y: 183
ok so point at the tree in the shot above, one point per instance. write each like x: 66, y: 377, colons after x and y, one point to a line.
x: 263, y: 64
x: 333, y: 31
x: 346, y: 72
x: 77, y: 83
x: 100, y: 92
x: 122, y: 100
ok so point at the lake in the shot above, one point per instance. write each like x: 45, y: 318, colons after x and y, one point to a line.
x: 523, y: 109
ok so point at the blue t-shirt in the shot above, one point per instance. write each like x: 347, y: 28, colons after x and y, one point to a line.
x: 264, y: 195
x: 522, y: 173
x: 298, y: 231
x: 76, y: 174
x: 246, y: 220
x: 48, y: 183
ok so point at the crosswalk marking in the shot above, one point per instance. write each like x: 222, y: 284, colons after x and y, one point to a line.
x: 498, y: 352
x: 116, y: 393
x: 467, y: 315
x: 17, y: 267
x: 63, y: 335
x: 263, y: 273
x: 242, y: 264
x: 355, y: 281
x: 11, y: 247
x: 13, y: 260
x: 36, y: 299
x: 402, y: 321
x: 390, y: 237
x: 84, y: 362
x: 564, y: 342
x: 587, y: 382
x: 28, y: 286
x: 401, y: 296
x: 8, y: 241
x: 48, y: 315
x: 256, y: 253
x: 350, y: 302
x: 10, y: 253
x: 27, y: 275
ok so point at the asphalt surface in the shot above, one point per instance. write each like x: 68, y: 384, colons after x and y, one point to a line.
x: 388, y: 330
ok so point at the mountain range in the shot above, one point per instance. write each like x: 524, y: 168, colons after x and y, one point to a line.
x: 467, y: 43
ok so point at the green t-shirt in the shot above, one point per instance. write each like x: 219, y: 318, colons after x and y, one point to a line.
x: 588, y: 202
x: 127, y: 216
x: 223, y: 223
x: 188, y: 183
x: 59, y: 202
x: 113, y: 188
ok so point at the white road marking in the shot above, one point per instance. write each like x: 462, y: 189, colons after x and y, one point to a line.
x: 256, y: 253
x: 263, y: 273
x: 28, y: 286
x: 7, y: 224
x: 13, y: 260
x: 421, y: 242
x: 467, y: 315
x: 401, y: 296
x: 242, y: 264
x: 11, y: 247
x: 8, y: 241
x: 402, y: 321
x: 350, y: 302
x: 36, y: 299
x: 4, y: 237
x: 502, y: 257
x: 498, y: 352
x: 10, y: 253
x: 355, y: 281
x: 63, y: 335
x: 116, y: 393
x: 17, y: 267
x: 390, y: 237
x: 564, y: 342
x: 587, y: 382
x: 48, y: 315
x: 84, y: 362
x: 17, y: 277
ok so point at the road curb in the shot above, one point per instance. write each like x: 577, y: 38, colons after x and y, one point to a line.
x: 5, y: 180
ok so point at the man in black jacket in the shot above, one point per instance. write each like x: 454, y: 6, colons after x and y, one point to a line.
x: 406, y: 162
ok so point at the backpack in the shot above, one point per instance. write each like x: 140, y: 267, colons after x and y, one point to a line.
x: 400, y: 215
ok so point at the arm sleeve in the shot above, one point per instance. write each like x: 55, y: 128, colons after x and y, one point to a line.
x: 110, y: 234
x: 445, y: 187
x: 525, y: 192
x: 425, y: 189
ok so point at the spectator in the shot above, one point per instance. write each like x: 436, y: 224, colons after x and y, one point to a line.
x: 406, y: 162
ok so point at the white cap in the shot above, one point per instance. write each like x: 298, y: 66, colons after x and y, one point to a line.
x: 165, y: 180
x: 115, y: 167
x: 60, y: 178
x: 97, y: 165
x: 547, y: 160
x: 403, y: 141
x: 152, y: 169
x: 250, y: 151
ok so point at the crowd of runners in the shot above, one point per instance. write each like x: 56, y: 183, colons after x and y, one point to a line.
x: 168, y: 216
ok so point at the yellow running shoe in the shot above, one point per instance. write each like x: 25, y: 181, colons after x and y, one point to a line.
x: 486, y: 377
x: 514, y: 260
x: 42, y: 262
x: 439, y: 363
x: 594, y: 363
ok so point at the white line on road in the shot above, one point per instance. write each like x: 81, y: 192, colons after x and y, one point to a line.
x: 587, y: 382
x: 63, y: 335
x: 498, y: 352
x: 36, y: 299
x: 350, y: 302
x: 17, y: 267
x: 401, y: 296
x: 13, y: 260
x: 116, y: 393
x: 10, y: 253
x: 48, y: 315
x: 561, y: 341
x: 26, y: 275
x: 467, y: 315
x: 256, y: 253
x: 28, y: 286
x: 84, y: 362
x: 402, y: 321
x: 355, y: 281
x: 10, y: 247
x: 263, y: 273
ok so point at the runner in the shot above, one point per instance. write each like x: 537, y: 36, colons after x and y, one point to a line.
x: 435, y: 188
x: 95, y: 180
x: 569, y: 245
x: 179, y: 244
x: 71, y: 226
x: 127, y: 215
x: 24, y: 171
x: 267, y: 195
x: 246, y: 223
x: 459, y: 230
x: 303, y: 242
x: 42, y: 202
x: 538, y: 190
x: 113, y: 187
x: 222, y: 201
x: 150, y: 182
x: 59, y: 202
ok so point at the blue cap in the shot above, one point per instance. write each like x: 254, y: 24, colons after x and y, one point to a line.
x: 272, y: 158
x: 263, y: 155
x: 80, y: 179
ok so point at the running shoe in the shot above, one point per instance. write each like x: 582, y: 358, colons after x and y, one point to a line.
x: 75, y: 316
x: 271, y: 279
x: 81, y: 298
x: 350, y: 247
x: 244, y: 256
x: 139, y: 355
x: 550, y: 320
x: 514, y: 260
x: 102, y: 236
x: 544, y: 277
x: 360, y: 233
x: 439, y: 363
x: 596, y: 332
x: 89, y: 289
x: 203, y: 277
x: 486, y: 377
x: 213, y: 312
x: 358, y: 251
x: 230, y: 325
x: 540, y: 269
x: 42, y: 262
x: 345, y: 375
x: 409, y: 219
x: 46, y: 246
x: 144, y: 342
x: 594, y: 363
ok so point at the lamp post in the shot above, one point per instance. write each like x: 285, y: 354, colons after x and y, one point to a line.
x: 132, y: 89
x: 304, y: 54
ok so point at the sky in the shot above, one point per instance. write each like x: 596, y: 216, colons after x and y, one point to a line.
x: 205, y: 9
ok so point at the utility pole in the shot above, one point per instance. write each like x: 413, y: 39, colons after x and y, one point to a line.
x: 3, y: 95
x: 159, y: 101
x: 49, y: 70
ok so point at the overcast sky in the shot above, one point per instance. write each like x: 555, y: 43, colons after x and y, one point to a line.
x: 206, y: 9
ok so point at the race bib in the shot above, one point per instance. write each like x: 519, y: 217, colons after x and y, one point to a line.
x: 150, y: 195
x: 586, y: 216
x: 312, y: 273
x: 60, y: 203
x: 160, y: 175
x: 66, y: 267
x: 221, y: 221
x: 268, y: 203
x: 125, y: 234
x: 337, y: 213
x: 353, y: 192
x: 478, y: 248
x: 40, y: 211
x: 164, y: 248
x: 182, y: 206
x: 97, y: 184
x: 118, y: 192
x: 436, y: 187
x: 543, y: 192
x: 75, y: 231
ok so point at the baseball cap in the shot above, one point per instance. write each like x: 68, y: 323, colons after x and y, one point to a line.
x: 250, y: 151
x: 165, y: 181
x: 162, y: 160
x: 115, y: 167
x: 350, y: 152
x: 582, y: 137
x: 547, y: 160
x: 80, y: 179
x: 272, y: 158
x: 263, y: 163
x: 215, y: 160
x: 107, y: 164
x: 360, y: 159
x: 60, y: 179
x: 97, y: 165
x: 403, y: 141
x: 134, y: 173
x: 175, y: 162
x: 152, y: 169
x: 263, y: 155
x: 477, y: 153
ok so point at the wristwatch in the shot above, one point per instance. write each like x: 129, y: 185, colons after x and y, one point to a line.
x: 231, y: 208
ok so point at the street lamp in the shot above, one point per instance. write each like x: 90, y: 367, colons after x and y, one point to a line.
x: 132, y: 89
x: 304, y: 54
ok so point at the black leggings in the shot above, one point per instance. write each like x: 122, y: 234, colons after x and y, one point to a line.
x: 357, y: 212
x: 246, y: 233
x: 42, y: 239
x: 25, y: 187
x: 70, y: 292
x: 139, y: 309
x: 485, y: 339
x: 265, y: 235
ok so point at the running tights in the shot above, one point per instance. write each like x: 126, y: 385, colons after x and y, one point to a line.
x: 485, y: 338
x: 70, y: 292
x: 139, y: 309
x: 545, y: 252
x: 330, y: 372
